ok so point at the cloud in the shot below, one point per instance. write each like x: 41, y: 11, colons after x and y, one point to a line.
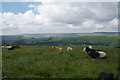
x: 31, y: 6
x: 62, y: 17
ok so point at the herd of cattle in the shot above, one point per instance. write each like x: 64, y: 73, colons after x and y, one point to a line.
x: 88, y: 49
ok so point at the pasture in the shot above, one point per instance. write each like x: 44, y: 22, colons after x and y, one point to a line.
x: 43, y: 62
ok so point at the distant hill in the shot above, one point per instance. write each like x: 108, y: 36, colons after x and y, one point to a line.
x: 47, y: 35
x: 10, y: 39
x: 106, y: 32
x: 96, y: 38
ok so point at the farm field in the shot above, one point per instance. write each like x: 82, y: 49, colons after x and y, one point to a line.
x: 43, y: 62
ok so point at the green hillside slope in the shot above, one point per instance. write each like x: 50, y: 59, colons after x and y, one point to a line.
x: 42, y: 62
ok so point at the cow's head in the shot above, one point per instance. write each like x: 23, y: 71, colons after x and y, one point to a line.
x: 87, y: 47
x: 90, y: 46
x: 52, y: 47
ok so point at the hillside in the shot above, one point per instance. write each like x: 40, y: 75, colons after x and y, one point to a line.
x: 10, y: 39
x: 97, y: 39
x: 46, y: 35
x: 106, y: 32
x: 42, y: 62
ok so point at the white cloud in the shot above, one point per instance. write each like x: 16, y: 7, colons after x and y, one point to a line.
x: 114, y: 22
x: 99, y: 26
x: 32, y: 6
x: 88, y: 23
x: 62, y: 17
x: 70, y: 26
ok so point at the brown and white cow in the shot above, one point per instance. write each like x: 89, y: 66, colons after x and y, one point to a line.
x: 11, y: 47
x: 69, y: 49
x: 56, y: 48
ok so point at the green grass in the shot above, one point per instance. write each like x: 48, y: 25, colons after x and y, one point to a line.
x: 42, y: 62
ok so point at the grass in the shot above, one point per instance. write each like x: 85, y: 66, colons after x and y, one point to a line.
x: 42, y: 62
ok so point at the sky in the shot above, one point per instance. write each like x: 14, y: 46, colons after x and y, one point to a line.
x: 60, y: 0
x: 17, y: 7
x: 58, y: 17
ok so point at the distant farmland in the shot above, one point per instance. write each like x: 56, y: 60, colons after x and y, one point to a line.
x: 98, y: 39
x: 42, y: 62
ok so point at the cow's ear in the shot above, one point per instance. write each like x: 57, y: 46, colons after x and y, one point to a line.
x: 90, y: 46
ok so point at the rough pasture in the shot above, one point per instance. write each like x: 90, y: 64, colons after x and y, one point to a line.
x: 43, y: 62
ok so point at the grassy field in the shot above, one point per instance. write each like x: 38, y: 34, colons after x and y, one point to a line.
x: 42, y: 62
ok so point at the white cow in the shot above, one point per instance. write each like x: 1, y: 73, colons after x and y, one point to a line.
x: 69, y: 49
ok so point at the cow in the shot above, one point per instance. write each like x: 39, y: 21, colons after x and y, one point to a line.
x: 11, y: 47
x: 69, y: 49
x: 106, y: 76
x: 56, y: 48
x: 94, y: 53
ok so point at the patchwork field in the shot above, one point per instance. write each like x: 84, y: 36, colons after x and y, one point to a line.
x: 43, y: 62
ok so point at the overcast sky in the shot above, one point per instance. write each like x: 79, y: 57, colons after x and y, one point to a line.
x: 58, y: 17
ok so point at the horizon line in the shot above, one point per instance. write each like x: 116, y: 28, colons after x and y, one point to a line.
x: 60, y: 33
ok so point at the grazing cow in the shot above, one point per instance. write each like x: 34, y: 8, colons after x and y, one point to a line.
x: 69, y: 49
x: 56, y: 48
x: 94, y: 53
x: 106, y: 76
x: 11, y: 47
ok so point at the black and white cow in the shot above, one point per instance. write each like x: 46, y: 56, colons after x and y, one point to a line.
x: 94, y: 53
